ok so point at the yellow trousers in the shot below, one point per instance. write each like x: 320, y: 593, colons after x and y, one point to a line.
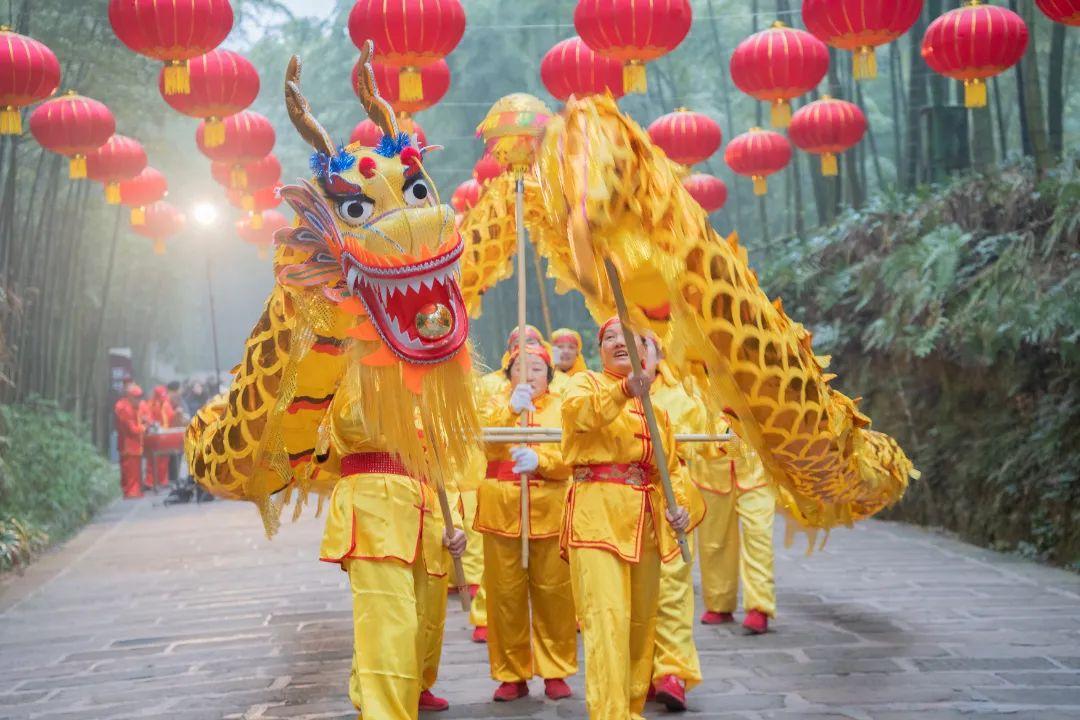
x: 729, y: 552
x: 399, y: 613
x: 473, y: 560
x: 517, y: 651
x: 676, y: 654
x: 616, y: 603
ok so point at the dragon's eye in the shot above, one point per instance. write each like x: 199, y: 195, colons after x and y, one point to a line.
x: 355, y: 211
x: 417, y: 193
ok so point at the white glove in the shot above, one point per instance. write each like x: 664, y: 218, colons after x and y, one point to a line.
x: 521, y: 398
x: 525, y: 459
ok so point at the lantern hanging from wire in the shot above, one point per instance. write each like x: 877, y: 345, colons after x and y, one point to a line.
x: 141, y: 191
x: 827, y: 127
x: 72, y: 125
x: 29, y: 73
x: 368, y: 134
x: 222, y: 83
x: 777, y: 65
x: 119, y: 159
x: 1066, y: 12
x: 466, y: 195
x: 710, y: 192
x: 249, y: 136
x: 757, y: 154
x: 172, y: 31
x: 687, y: 137
x: 434, y: 83
x: 973, y: 43
x: 573, y: 68
x: 859, y: 26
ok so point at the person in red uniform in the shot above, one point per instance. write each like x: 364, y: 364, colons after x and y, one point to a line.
x: 129, y: 434
x: 160, y: 413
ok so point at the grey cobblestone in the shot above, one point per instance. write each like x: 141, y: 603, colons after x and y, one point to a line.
x: 189, y: 613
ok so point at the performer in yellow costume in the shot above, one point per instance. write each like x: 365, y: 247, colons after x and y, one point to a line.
x: 357, y: 384
x: 614, y: 526
x: 567, y: 346
x: 546, y: 645
x: 676, y: 667
x: 735, y: 541
x: 473, y: 560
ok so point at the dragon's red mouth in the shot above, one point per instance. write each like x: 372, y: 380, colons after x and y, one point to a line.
x: 416, y: 305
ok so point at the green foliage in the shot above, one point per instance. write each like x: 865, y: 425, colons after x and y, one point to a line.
x: 956, y: 313
x: 52, y: 479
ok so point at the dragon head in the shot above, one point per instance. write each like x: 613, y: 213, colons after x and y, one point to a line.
x: 372, y: 218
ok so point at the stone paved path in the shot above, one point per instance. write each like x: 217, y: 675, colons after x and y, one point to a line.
x: 189, y: 613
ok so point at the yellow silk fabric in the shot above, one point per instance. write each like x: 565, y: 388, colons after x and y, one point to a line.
x: 401, y: 607
x: 602, y: 425
x: 676, y: 654
x: 531, y: 629
x: 473, y: 560
x: 616, y: 603
x: 499, y: 501
x: 736, y: 539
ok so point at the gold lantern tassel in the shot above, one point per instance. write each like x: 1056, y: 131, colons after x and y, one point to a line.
x: 214, y: 132
x: 634, y: 79
x: 829, y: 166
x: 865, y: 63
x: 237, y: 177
x: 975, y: 93
x: 761, y: 185
x: 781, y: 114
x: 77, y: 167
x: 410, y: 86
x: 159, y: 246
x: 177, y: 78
x: 112, y: 193
x: 138, y: 215
x: 256, y: 221
x: 10, y: 121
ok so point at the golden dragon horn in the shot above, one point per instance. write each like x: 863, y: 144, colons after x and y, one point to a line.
x: 374, y: 104
x: 300, y: 112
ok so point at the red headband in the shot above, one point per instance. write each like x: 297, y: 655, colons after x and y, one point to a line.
x: 605, y: 326
x: 538, y: 350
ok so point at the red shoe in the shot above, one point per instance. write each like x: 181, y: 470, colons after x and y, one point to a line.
x: 717, y: 618
x: 508, y: 691
x: 671, y: 693
x: 479, y: 634
x: 473, y: 590
x: 451, y: 590
x: 651, y: 695
x: 431, y: 703
x: 756, y: 623
x: 556, y: 689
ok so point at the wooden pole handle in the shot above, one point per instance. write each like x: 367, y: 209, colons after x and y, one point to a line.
x: 519, y: 221
x: 459, y: 568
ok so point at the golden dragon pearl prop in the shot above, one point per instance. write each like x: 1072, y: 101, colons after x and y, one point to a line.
x: 607, y: 187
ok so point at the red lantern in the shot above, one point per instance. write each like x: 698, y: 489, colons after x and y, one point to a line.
x: 263, y: 173
x: 486, y: 169
x: 259, y: 230
x: 368, y: 134
x: 687, y: 137
x: 466, y: 195
x: 710, y: 192
x: 860, y: 26
x: 973, y: 43
x: 758, y: 154
x: 827, y: 127
x: 408, y: 34
x: 434, y: 81
x: 162, y: 221
x: 573, y: 68
x: 172, y: 31
x: 777, y: 65
x: 222, y: 83
x: 72, y: 125
x: 144, y: 189
x: 260, y: 201
x: 1066, y: 12
x: 633, y: 32
x: 29, y: 72
x: 249, y: 136
x: 121, y: 158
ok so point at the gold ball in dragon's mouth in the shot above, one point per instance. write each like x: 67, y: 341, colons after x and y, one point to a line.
x: 434, y: 321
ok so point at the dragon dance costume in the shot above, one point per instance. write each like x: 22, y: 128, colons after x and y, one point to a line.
x: 357, y: 384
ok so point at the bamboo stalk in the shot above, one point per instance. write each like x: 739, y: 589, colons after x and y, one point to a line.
x: 646, y: 402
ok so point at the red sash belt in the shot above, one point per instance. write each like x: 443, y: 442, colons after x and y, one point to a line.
x: 636, y: 474
x: 366, y: 463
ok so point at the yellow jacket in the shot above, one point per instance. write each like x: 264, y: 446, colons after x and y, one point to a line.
x: 687, y: 415
x: 498, y: 509
x: 602, y: 425
x: 381, y: 515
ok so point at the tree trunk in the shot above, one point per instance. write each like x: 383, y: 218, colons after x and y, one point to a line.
x: 917, y: 99
x: 1031, y: 99
x: 725, y: 92
x: 1055, y: 91
x: 1003, y: 135
x: 982, y: 138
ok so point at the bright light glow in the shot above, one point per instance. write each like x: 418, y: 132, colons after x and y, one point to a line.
x: 206, y: 213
